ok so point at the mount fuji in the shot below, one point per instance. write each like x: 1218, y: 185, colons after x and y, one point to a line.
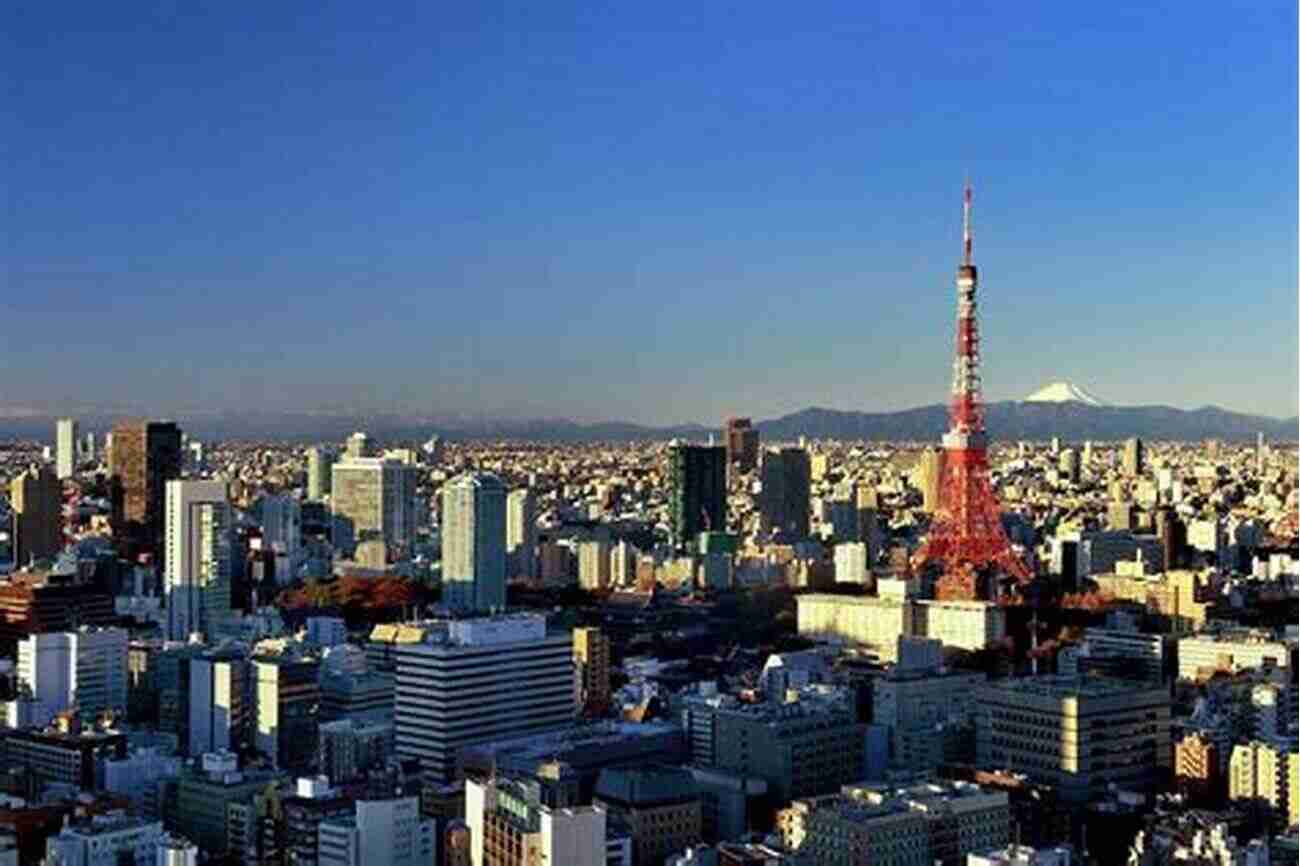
x: 1064, y: 392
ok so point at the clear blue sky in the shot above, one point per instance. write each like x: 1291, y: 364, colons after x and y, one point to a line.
x: 645, y: 211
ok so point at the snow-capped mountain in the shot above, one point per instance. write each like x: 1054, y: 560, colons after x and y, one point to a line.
x: 1063, y: 392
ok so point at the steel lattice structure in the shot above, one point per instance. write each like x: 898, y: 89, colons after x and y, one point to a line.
x: 966, y: 536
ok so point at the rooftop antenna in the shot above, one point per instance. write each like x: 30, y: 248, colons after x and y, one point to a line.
x: 967, y: 236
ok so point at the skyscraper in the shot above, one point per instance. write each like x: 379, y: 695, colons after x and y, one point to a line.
x: 144, y: 456
x: 787, y: 491
x: 36, y: 497
x: 199, y: 556
x: 521, y: 533
x: 85, y: 669
x: 66, y: 442
x: 929, y: 478
x: 373, y: 498
x: 358, y: 446
x: 320, y: 462
x: 591, y: 664
x: 697, y: 498
x: 1134, y: 457
x: 474, y: 542
x: 742, y: 444
x: 282, y: 524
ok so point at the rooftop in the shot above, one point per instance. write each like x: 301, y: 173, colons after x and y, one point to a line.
x: 1059, y: 686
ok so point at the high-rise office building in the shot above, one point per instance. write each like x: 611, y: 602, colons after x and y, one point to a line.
x: 199, y: 556
x: 320, y: 465
x: 282, y: 524
x: 373, y: 499
x: 1134, y: 457
x: 286, y: 694
x: 474, y: 543
x: 742, y: 444
x: 1068, y: 465
x: 470, y: 681
x: 36, y: 497
x: 697, y: 497
x: 785, y: 500
x: 220, y: 703
x: 85, y: 669
x: 591, y: 666
x: 593, y: 564
x: 144, y: 456
x: 521, y: 533
x: 66, y: 447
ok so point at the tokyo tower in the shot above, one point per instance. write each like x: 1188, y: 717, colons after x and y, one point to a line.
x: 966, y: 536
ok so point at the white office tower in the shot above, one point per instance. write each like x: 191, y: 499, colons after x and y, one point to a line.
x: 358, y: 446
x: 474, y: 543
x: 85, y: 669
x: 380, y: 833
x: 521, y: 533
x: 199, y: 557
x: 477, y: 680
x: 282, y: 525
x: 66, y: 447
x: 511, y: 814
x: 622, y: 564
x: 373, y: 498
x: 851, y: 562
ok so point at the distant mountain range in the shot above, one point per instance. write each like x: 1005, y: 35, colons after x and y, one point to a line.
x: 1041, y: 419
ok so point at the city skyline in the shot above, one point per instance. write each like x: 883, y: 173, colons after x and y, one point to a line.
x: 542, y: 218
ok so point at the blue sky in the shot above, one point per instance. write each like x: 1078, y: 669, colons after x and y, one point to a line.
x: 651, y: 212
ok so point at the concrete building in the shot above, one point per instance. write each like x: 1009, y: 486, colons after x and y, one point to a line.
x: 36, y: 499
x: 594, y: 564
x: 474, y: 543
x: 320, y: 468
x: 347, y: 749
x: 199, y: 558
x: 144, y: 456
x: 510, y: 826
x: 204, y: 795
x: 462, y: 682
x: 1077, y: 734
x: 1125, y: 654
x: 1265, y: 773
x: 968, y: 625
x: 872, y: 622
x: 591, y: 669
x: 312, y: 802
x: 286, y: 694
x: 521, y: 533
x: 373, y: 498
x: 928, y: 478
x: 1022, y: 855
x: 659, y: 804
x: 1232, y: 651
x: 785, y: 500
x: 63, y: 755
x: 379, y: 833
x: 929, y: 715
x: 220, y: 705
x: 105, y: 840
x: 139, y: 776
x: 83, y: 670
x: 806, y: 745
x: 936, y: 823
x: 66, y: 444
x: 851, y: 565
x: 1196, y: 767
x: 697, y: 495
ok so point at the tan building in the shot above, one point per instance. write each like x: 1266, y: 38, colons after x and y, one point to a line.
x: 969, y: 625
x: 1203, y: 655
x: 1171, y: 593
x: 36, y: 496
x: 660, y: 805
x: 591, y: 660
x: 873, y: 622
x: 1267, y: 773
x: 928, y: 478
x: 917, y: 826
x: 1196, y: 767
x: 593, y: 565
x: 145, y: 455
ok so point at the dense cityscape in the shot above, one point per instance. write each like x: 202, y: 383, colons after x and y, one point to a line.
x: 723, y: 653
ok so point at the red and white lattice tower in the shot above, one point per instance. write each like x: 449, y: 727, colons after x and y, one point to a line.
x: 967, y: 537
